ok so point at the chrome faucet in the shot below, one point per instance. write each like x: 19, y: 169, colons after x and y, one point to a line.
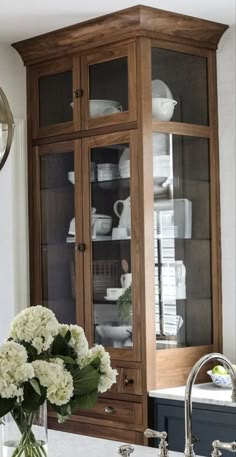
x: 188, y: 451
x: 217, y: 445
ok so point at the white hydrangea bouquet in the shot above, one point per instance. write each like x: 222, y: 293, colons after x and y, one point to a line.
x: 47, y: 361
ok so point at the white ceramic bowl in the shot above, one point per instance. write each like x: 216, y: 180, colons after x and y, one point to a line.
x: 163, y: 108
x: 220, y: 380
x: 103, y: 107
x: 118, y: 334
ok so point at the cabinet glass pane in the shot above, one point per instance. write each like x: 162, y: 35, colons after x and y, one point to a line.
x: 183, y: 292
x: 108, y: 87
x: 55, y: 97
x: 182, y: 78
x: 57, y: 234
x: 111, y: 245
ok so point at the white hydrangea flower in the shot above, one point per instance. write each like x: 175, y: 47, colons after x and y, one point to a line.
x: 78, y: 340
x: 36, y: 325
x: 14, y: 369
x: 56, y: 379
x: 107, y: 374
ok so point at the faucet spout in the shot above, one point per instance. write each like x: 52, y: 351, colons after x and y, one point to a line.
x: 189, y: 451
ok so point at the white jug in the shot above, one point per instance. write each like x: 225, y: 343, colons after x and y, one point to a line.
x: 125, y: 214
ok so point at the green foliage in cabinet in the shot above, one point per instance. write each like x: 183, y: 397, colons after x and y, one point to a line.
x: 125, y: 306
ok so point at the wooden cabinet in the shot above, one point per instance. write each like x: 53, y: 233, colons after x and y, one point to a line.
x: 66, y: 92
x: 210, y: 422
x: 124, y: 198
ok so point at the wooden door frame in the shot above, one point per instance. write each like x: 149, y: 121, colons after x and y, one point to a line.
x: 103, y: 55
x: 133, y: 354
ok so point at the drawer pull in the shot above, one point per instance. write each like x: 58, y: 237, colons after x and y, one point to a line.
x: 109, y: 410
x: 128, y: 381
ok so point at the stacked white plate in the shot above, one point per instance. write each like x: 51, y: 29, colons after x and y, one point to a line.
x: 107, y: 171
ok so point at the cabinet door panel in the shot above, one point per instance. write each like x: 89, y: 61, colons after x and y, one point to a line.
x: 57, y: 273
x: 51, y: 88
x: 111, y: 232
x: 182, y: 237
x: 207, y: 426
x: 186, y: 85
x: 109, y: 86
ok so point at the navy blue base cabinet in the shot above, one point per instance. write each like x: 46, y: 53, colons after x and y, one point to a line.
x: 210, y: 422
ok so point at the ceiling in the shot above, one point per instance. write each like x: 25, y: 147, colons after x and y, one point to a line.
x: 20, y: 19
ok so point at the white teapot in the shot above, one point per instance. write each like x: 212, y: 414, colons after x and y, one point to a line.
x: 125, y: 214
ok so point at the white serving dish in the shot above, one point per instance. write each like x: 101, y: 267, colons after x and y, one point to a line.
x: 103, y: 107
x: 163, y: 108
x: 220, y: 380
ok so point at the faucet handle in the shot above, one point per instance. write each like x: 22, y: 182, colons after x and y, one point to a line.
x: 125, y: 450
x: 163, y: 445
x: 217, y: 445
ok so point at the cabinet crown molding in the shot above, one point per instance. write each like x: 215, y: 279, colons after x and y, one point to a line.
x: 122, y: 25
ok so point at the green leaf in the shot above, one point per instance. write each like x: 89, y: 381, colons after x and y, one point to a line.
x: 34, y: 383
x: 32, y: 400
x: 86, y: 401
x: 85, y: 380
x: 60, y: 347
x: 31, y: 351
x: 96, y: 363
x: 67, y: 336
x: 6, y: 405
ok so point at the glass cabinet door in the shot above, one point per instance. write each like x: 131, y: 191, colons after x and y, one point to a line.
x: 110, y: 233
x: 179, y: 87
x: 57, y: 179
x: 109, y: 87
x: 183, y: 289
x: 52, y: 86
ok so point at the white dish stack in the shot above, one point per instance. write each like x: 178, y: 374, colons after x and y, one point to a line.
x: 107, y: 171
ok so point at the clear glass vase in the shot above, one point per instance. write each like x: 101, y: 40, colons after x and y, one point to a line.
x: 24, y: 434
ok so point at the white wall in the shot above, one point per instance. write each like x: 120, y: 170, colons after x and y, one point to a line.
x: 13, y: 82
x: 227, y: 142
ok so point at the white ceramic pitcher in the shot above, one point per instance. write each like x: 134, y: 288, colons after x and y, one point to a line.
x: 125, y: 214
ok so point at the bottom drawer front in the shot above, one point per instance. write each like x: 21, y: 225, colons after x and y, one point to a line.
x: 117, y: 411
x: 99, y: 431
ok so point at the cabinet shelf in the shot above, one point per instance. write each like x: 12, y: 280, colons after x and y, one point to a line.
x: 112, y: 184
x: 71, y: 240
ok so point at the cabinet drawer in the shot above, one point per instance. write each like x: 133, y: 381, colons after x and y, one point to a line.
x: 99, y: 431
x: 116, y: 411
x: 129, y: 381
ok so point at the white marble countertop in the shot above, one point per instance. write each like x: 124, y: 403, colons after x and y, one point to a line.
x: 67, y: 444
x: 61, y: 444
x: 202, y: 393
